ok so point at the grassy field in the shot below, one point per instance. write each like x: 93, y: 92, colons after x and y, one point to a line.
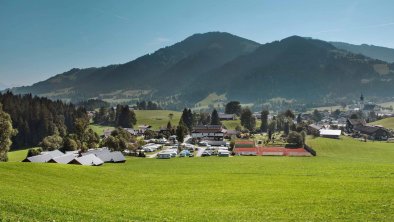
x: 231, y: 124
x: 17, y: 156
x: 387, y: 123
x: 156, y: 118
x: 100, y: 129
x: 348, y: 180
x: 212, y: 99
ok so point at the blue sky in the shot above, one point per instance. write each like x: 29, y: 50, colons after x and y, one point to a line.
x: 41, y: 38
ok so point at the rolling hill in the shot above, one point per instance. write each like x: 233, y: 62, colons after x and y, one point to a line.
x: 187, y: 72
x: 160, y: 73
x: 376, y: 52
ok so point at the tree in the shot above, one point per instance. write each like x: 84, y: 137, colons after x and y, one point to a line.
x: 264, y: 120
x: 170, y: 116
x: 289, y: 114
x: 295, y: 138
x: 35, y: 118
x: 81, y: 126
x: 6, y: 132
x: 247, y: 119
x: 181, y: 131
x: 33, y: 152
x: 336, y: 113
x: 317, y: 116
x: 203, y: 118
x: 69, y: 144
x: 215, y: 120
x: 119, y: 140
x: 126, y: 117
x: 92, y: 139
x: 286, y: 128
x: 187, y: 118
x: 354, y: 116
x: 233, y: 107
x: 53, y: 142
x: 150, y: 134
x: 299, y: 119
x: 272, y: 126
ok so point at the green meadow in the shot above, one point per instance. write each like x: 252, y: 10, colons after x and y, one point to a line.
x: 387, y: 122
x: 348, y: 181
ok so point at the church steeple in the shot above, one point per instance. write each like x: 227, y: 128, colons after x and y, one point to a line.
x: 361, y: 101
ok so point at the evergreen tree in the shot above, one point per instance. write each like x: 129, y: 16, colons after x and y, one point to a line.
x: 215, y: 120
x: 181, y: 131
x: 286, y: 129
x: 299, y: 119
x: 264, y: 120
x: 36, y: 118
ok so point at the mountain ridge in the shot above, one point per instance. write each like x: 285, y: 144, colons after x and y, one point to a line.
x: 295, y: 67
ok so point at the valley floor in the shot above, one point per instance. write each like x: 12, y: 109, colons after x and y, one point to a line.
x: 348, y: 180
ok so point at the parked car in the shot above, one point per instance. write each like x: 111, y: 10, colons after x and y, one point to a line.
x: 223, y: 153
x: 164, y: 155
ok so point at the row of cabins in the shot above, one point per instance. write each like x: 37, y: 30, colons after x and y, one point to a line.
x: 94, y: 157
x: 249, y: 148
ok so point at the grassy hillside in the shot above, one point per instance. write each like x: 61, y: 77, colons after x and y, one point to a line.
x: 388, y: 122
x: 349, y: 180
x: 156, y: 118
x: 231, y: 124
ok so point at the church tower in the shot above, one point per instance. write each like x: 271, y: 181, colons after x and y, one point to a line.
x: 361, y: 102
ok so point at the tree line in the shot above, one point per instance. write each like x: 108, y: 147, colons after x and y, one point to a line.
x: 121, y: 116
x: 143, y: 105
x: 36, y: 118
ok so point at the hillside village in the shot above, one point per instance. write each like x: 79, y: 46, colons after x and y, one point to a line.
x: 206, y: 134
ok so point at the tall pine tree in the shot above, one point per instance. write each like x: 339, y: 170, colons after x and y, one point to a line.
x: 215, y: 120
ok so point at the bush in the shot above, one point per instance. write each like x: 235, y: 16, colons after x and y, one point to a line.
x: 34, y: 152
x: 295, y: 138
x: 53, y: 142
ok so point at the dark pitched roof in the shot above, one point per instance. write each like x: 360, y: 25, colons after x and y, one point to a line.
x: 368, y: 129
x: 355, y: 122
x: 207, y: 128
